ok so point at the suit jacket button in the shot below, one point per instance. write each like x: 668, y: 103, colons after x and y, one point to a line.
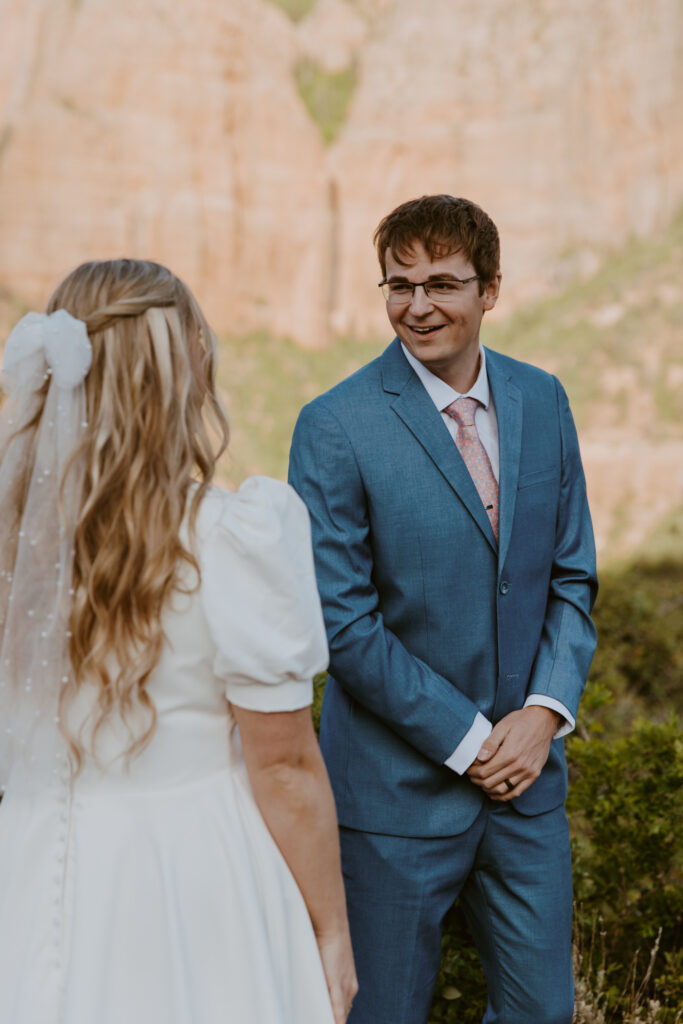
x: 504, y: 587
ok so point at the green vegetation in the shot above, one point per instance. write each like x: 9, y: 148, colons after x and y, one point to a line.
x: 5, y: 136
x: 638, y: 667
x: 326, y: 95
x: 626, y: 795
x: 11, y: 310
x: 266, y: 382
x: 626, y: 806
x: 666, y: 539
x: 296, y: 9
x: 626, y: 319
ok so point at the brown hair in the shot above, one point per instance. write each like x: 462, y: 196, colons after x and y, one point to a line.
x: 154, y: 420
x: 443, y: 225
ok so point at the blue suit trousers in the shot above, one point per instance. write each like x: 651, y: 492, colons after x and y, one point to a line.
x: 512, y: 875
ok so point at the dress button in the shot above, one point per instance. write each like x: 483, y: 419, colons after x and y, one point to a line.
x: 504, y: 587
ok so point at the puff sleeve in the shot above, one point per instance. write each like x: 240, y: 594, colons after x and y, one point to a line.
x: 260, y: 597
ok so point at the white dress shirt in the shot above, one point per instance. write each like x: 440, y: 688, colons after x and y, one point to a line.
x: 485, y: 420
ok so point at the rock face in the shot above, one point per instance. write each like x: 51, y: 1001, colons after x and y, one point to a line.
x: 557, y: 119
x: 172, y: 131
x: 175, y: 131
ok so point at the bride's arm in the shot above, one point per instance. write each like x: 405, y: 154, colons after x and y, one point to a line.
x: 293, y: 793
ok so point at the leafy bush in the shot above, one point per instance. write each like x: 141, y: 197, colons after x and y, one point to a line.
x: 626, y: 806
x: 669, y: 983
x: 318, y: 691
x: 638, y: 665
x: 460, y: 994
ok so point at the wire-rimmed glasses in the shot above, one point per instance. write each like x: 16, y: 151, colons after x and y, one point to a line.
x: 440, y: 289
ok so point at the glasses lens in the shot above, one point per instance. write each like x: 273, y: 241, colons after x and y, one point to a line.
x: 444, y: 291
x: 397, y: 291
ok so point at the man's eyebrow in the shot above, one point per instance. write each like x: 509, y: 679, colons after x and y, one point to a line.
x: 443, y: 276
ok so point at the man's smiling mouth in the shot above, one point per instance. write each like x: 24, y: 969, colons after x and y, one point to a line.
x: 424, y: 330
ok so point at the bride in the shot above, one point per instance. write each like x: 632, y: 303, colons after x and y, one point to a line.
x: 168, y: 844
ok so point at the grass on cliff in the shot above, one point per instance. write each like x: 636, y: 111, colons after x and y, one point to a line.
x: 266, y: 382
x: 614, y: 336
x: 326, y: 94
x: 295, y: 9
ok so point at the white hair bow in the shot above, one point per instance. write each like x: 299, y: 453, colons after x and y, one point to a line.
x: 59, y: 339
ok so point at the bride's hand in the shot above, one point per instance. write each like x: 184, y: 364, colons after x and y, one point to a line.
x: 337, y: 959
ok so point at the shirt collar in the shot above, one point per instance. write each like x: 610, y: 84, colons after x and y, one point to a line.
x: 443, y: 394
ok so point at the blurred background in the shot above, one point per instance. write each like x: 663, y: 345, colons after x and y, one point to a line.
x: 253, y: 145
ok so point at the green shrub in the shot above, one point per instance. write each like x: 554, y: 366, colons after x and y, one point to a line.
x: 318, y: 691
x: 669, y: 983
x: 460, y: 993
x: 626, y: 808
x: 639, y: 660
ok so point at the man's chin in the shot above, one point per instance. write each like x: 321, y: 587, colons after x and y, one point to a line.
x: 425, y: 349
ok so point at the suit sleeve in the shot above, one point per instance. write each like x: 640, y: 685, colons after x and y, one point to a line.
x: 366, y: 658
x: 569, y: 637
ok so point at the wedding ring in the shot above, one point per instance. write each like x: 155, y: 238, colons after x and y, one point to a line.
x: 510, y: 785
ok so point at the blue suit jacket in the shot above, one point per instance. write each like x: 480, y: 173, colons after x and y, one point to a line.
x: 428, y: 619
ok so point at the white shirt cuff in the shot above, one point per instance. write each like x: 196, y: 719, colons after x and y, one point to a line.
x: 540, y: 700
x: 466, y: 751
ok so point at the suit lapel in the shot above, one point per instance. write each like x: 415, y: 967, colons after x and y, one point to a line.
x: 417, y: 411
x: 507, y: 399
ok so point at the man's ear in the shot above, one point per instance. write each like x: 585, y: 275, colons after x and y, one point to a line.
x: 491, y: 292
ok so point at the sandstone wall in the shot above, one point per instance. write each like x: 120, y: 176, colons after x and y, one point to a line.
x: 562, y: 120
x: 167, y: 130
x: 176, y: 131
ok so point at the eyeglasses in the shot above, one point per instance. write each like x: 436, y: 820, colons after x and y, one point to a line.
x: 445, y: 289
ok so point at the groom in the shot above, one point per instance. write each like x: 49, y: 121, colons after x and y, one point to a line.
x: 456, y: 566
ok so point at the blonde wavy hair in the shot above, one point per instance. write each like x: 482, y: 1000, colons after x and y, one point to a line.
x: 155, y: 426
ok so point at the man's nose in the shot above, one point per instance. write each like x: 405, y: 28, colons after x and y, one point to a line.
x: 420, y: 302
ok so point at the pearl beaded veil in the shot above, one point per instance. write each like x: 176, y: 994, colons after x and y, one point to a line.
x: 36, y: 552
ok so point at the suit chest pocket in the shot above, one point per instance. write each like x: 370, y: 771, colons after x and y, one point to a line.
x: 539, y: 476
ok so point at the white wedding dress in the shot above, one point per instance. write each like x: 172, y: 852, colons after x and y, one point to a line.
x: 156, y: 894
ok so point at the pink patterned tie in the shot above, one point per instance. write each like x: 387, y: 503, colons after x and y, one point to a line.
x: 475, y: 457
